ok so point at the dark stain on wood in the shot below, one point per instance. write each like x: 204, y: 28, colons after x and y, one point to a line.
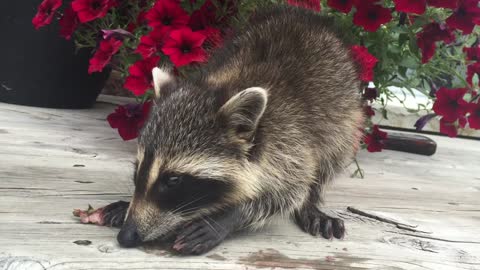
x: 271, y: 258
x: 49, y: 222
x: 83, y: 242
x: 78, y: 165
x: 84, y: 182
x: 217, y: 257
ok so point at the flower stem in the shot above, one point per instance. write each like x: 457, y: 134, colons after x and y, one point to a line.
x: 358, y: 171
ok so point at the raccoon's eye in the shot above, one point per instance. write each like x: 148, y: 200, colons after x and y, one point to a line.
x: 174, y: 180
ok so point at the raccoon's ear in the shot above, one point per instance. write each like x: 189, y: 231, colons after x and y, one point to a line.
x: 242, y: 112
x: 161, y: 77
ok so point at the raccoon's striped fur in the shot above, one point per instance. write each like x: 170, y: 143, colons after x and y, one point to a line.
x: 261, y: 130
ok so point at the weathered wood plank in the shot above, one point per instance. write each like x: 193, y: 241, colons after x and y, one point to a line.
x: 52, y: 161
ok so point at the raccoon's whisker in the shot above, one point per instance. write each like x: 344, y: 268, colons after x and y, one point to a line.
x: 187, y: 204
x: 189, y: 210
x: 220, y: 226
x: 210, y: 225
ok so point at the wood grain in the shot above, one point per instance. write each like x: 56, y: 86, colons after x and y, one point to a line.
x: 52, y: 161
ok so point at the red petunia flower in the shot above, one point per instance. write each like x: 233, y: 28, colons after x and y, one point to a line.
x: 45, y: 13
x: 213, y: 38
x: 474, y: 117
x: 89, y: 10
x: 153, y: 42
x: 203, y: 17
x: 369, y: 111
x: 443, y: 3
x: 129, y: 119
x: 140, y: 78
x: 409, y: 6
x: 344, y: 6
x: 167, y: 13
x: 473, y: 53
x: 308, y: 4
x: 370, y: 93
x: 366, y: 61
x: 462, y: 121
x: 104, y: 54
x: 430, y: 34
x: 185, y: 47
x: 371, y: 16
x: 449, y: 128
x: 465, y: 17
x: 202, y: 21
x: 450, y: 103
x: 471, y: 71
x: 68, y: 23
x: 375, y: 140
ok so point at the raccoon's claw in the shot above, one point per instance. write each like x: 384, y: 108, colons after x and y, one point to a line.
x: 315, y: 222
x: 114, y: 213
x: 199, y: 237
x: 111, y: 215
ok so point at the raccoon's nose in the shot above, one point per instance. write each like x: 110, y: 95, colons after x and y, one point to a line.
x: 128, y: 235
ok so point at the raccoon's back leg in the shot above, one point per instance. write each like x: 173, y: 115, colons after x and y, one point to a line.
x: 314, y: 221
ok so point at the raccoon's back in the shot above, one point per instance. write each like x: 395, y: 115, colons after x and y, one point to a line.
x: 306, y: 67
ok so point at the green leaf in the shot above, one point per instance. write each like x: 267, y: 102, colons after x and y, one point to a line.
x: 409, y: 62
x: 384, y: 113
x: 475, y: 79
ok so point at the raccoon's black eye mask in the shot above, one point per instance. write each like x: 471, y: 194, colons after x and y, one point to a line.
x: 185, y: 193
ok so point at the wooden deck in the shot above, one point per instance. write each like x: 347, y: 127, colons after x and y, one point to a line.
x: 52, y: 161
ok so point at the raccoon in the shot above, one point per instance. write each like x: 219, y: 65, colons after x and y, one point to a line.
x: 258, y: 131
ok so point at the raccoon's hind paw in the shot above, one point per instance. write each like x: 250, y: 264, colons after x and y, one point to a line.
x: 199, y: 237
x: 312, y: 220
x: 111, y: 215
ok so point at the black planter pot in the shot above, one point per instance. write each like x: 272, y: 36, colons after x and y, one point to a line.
x: 40, y: 68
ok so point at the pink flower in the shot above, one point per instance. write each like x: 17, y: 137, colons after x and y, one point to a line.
x: 371, y: 16
x: 344, y: 6
x: 68, y: 23
x: 369, y: 111
x: 471, y: 71
x: 409, y: 6
x: 185, y: 47
x: 370, y: 94
x: 45, y: 13
x: 104, y: 54
x: 450, y: 103
x: 443, y: 3
x: 129, y: 119
x: 152, y: 43
x: 426, y: 40
x: 89, y: 10
x: 140, y: 78
x: 308, y: 4
x: 167, y: 13
x: 474, y: 117
x: 366, y: 61
x: 375, y: 141
x: 448, y: 128
x: 466, y: 16
x: 116, y: 33
x: 473, y: 53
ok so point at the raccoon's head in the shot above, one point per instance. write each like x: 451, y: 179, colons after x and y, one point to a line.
x: 192, y: 157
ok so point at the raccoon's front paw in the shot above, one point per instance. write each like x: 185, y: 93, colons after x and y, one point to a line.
x: 312, y: 220
x: 111, y: 215
x: 199, y: 237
